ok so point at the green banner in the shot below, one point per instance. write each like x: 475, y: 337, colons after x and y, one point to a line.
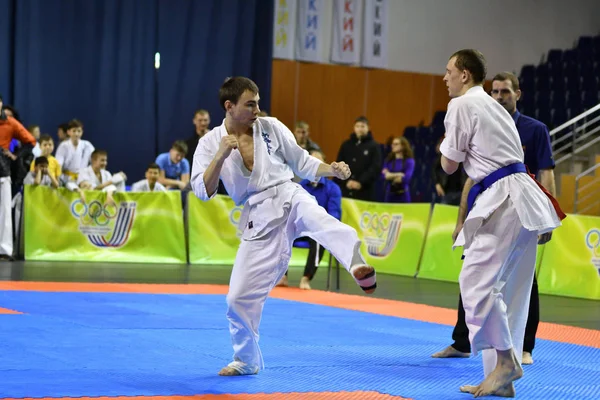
x: 213, y: 232
x: 392, y: 234
x: 571, y: 262
x: 439, y: 261
x: 142, y: 227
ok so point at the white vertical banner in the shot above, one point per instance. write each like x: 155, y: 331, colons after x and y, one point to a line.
x: 375, y: 34
x: 345, y: 45
x: 284, y: 29
x: 310, y: 30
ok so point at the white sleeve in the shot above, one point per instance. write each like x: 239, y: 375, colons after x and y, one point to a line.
x: 303, y: 165
x: 137, y: 186
x: 72, y: 186
x: 84, y: 175
x: 61, y: 154
x: 29, y: 179
x: 88, y: 154
x: 202, y: 159
x: 158, y: 187
x: 458, y: 132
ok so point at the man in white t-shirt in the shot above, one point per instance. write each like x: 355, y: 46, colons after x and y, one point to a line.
x: 150, y: 184
x: 507, y: 210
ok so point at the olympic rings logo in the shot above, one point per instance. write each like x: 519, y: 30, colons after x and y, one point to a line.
x: 235, y: 215
x: 379, y: 224
x: 94, y: 212
x: 592, y: 240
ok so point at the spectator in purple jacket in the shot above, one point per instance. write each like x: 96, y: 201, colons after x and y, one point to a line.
x: 398, y: 169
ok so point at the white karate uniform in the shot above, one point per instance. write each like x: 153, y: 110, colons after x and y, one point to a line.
x: 72, y: 159
x: 88, y: 174
x: 6, y: 223
x: 276, y: 211
x: 143, y: 186
x: 500, y: 232
x: 30, y: 179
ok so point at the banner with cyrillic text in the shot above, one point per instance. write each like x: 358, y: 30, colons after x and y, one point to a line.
x: 213, y: 232
x: 571, y: 261
x: 345, y: 46
x: 284, y: 29
x: 375, y: 34
x: 309, y: 36
x: 392, y: 234
x: 139, y: 227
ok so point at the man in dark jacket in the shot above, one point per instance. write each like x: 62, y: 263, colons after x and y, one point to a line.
x: 363, y: 155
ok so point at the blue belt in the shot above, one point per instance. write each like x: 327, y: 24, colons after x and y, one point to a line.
x: 492, y: 178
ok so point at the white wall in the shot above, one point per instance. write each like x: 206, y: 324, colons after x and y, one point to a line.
x: 510, y: 33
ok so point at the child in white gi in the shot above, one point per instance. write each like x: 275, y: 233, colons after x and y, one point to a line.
x: 256, y: 159
x: 501, y: 231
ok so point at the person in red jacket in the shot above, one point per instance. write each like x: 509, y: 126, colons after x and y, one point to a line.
x: 10, y: 129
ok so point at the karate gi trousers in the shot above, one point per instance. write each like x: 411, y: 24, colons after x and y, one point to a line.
x: 6, y: 223
x: 495, y: 284
x: 272, y: 224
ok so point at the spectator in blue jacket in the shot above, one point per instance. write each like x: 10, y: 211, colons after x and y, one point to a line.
x: 329, y: 196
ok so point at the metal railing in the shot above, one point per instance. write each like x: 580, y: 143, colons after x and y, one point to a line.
x: 580, y: 192
x: 576, y: 135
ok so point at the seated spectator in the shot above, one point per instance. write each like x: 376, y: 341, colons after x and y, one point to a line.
x: 74, y: 154
x: 150, y: 184
x: 201, y: 123
x: 61, y: 132
x: 174, y: 168
x: 47, y: 147
x: 329, y: 196
x: 302, y: 134
x: 96, y: 177
x: 398, y: 170
x: 41, y: 174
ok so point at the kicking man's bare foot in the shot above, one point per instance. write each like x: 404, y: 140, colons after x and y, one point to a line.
x: 365, y: 276
x: 507, y: 371
x: 283, y: 282
x: 450, y: 352
x: 228, y: 371
x: 305, y: 283
x: 506, y: 391
x: 237, y: 368
x: 527, y: 359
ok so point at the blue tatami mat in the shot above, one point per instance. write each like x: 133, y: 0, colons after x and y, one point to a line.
x: 104, y: 344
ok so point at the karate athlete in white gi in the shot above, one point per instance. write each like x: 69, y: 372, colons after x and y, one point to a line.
x: 500, y: 233
x: 256, y: 158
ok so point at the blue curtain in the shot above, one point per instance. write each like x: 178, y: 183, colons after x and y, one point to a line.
x: 201, y: 43
x: 94, y: 60
x: 6, y: 26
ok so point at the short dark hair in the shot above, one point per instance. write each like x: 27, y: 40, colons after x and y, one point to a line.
x: 362, y: 119
x: 74, y: 123
x: 98, y: 153
x: 508, y: 76
x: 41, y: 160
x: 180, y: 146
x: 64, y: 126
x: 233, y: 88
x: 472, y: 61
x: 46, y: 138
x: 153, y: 166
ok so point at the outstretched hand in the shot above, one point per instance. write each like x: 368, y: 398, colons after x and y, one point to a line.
x: 340, y: 170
